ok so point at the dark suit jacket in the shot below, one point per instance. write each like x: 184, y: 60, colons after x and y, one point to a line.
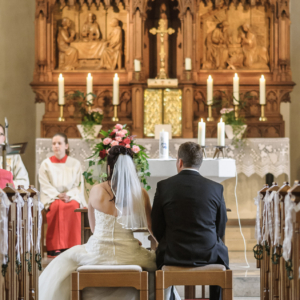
x: 188, y: 220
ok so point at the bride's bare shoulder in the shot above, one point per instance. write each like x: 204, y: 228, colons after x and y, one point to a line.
x: 99, y: 191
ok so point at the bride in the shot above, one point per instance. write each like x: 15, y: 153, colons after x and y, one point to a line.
x: 116, y: 208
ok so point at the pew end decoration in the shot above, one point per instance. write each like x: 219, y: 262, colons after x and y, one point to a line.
x: 119, y: 135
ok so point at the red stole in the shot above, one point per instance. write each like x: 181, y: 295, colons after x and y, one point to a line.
x: 5, y: 177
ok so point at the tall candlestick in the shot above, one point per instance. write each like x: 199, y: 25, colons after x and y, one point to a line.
x: 210, y: 83
x: 262, y: 90
x: 116, y: 90
x: 164, y: 144
x: 61, y: 90
x: 89, y: 89
x: 236, y: 89
x: 188, y: 64
x: 201, y: 133
x: 137, y: 65
x: 221, y: 133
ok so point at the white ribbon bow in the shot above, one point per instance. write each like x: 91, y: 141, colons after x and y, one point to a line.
x: 19, y: 204
x: 257, y: 200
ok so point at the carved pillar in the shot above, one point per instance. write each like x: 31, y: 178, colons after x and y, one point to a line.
x: 138, y: 110
x: 187, y: 111
x: 42, y: 44
x: 187, y: 35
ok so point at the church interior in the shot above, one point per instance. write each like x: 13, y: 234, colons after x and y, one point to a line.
x: 181, y: 66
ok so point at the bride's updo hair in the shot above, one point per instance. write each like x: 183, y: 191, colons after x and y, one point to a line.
x: 113, y: 156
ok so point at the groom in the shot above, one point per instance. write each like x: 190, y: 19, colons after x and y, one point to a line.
x: 189, y: 217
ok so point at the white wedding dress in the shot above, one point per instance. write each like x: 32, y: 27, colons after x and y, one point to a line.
x: 109, y: 245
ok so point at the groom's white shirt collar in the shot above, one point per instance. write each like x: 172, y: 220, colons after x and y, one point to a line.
x: 190, y: 169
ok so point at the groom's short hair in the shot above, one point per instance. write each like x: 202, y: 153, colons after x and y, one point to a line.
x: 191, y: 155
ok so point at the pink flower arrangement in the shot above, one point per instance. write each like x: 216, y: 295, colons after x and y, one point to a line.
x: 127, y: 146
x: 119, y: 127
x: 114, y: 143
x: 107, y: 141
x: 120, y: 133
x: 226, y: 110
x: 136, y: 149
x: 118, y: 138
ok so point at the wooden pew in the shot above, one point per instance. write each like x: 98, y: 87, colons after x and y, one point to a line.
x: 23, y: 276
x: 284, y: 281
x: 264, y: 263
x: 295, y: 191
x: 11, y: 276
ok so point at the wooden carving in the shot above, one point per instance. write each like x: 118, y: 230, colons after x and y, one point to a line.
x: 221, y: 37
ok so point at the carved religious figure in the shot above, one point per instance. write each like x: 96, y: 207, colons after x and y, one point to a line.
x: 253, y: 54
x: 111, y: 54
x: 217, y: 47
x: 90, y: 29
x: 68, y: 55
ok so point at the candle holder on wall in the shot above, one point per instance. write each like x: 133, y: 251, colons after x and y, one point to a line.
x: 262, y: 117
x: 210, y: 117
x: 220, y: 150
x: 203, y: 151
x: 115, y: 117
x: 61, y: 113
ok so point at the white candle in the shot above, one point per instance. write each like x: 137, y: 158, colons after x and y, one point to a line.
x: 116, y: 90
x: 221, y: 133
x: 89, y: 89
x: 236, y: 89
x: 137, y: 65
x: 210, y: 83
x: 61, y: 90
x: 262, y: 90
x: 201, y: 133
x: 164, y: 144
x: 188, y: 64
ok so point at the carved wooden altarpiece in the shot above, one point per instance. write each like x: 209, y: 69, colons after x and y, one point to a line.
x: 250, y: 37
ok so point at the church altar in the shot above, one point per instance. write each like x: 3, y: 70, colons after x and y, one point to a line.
x: 258, y: 156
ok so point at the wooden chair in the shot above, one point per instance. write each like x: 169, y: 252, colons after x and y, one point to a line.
x: 190, y: 277
x: 109, y: 276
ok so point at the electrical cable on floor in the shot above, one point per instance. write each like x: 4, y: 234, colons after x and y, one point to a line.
x: 238, y: 215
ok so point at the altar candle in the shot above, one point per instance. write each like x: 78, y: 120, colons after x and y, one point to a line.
x: 262, y: 90
x: 164, y: 144
x: 61, y: 90
x: 116, y: 90
x: 236, y: 89
x: 188, y: 64
x: 137, y: 65
x: 221, y: 133
x: 210, y: 83
x: 201, y: 133
x: 89, y: 89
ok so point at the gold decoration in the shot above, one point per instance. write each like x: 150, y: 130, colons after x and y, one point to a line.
x: 162, y: 107
x: 152, y: 110
x: 172, y: 113
x: 162, y: 30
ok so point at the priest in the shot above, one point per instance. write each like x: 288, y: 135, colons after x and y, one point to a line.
x: 62, y: 191
x: 15, y: 165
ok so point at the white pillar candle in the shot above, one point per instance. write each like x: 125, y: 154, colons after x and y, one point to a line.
x: 201, y: 133
x: 61, y: 90
x: 236, y: 89
x: 116, y: 90
x: 262, y: 90
x: 137, y: 65
x: 210, y: 83
x: 188, y: 64
x: 221, y: 133
x: 164, y: 144
x: 89, y: 89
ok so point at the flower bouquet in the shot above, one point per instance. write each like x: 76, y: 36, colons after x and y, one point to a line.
x: 119, y: 135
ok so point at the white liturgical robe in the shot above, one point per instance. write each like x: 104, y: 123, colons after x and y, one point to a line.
x: 15, y: 165
x: 56, y: 178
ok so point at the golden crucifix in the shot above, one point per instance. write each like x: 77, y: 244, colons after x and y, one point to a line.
x: 162, y: 30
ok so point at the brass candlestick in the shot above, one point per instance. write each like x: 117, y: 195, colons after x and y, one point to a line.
x: 210, y: 117
x: 262, y: 117
x: 115, y: 117
x: 137, y: 75
x: 61, y: 113
x: 236, y: 112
